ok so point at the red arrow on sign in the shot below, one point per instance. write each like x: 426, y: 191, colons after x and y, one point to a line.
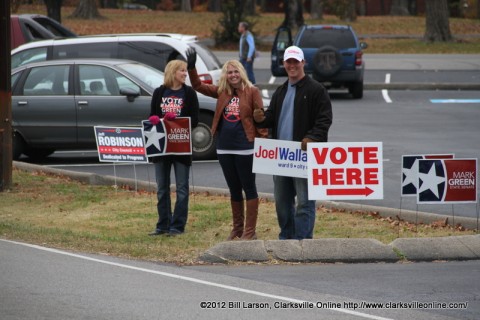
x: 350, y: 192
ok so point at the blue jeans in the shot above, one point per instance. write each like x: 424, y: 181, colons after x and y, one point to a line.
x: 295, y: 223
x: 248, y: 65
x: 167, y: 221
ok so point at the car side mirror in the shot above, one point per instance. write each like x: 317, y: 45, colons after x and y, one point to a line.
x: 130, y: 93
x: 363, y: 45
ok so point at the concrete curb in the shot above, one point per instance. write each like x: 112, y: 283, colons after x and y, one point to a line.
x: 314, y: 250
x: 346, y: 250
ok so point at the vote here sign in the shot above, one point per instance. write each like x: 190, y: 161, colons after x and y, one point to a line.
x: 345, y: 171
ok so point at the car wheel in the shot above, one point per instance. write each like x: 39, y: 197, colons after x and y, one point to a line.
x: 327, y: 61
x: 203, y: 142
x: 38, y: 153
x: 18, y: 146
x: 356, y: 90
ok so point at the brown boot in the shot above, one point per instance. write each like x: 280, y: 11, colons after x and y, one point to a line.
x: 251, y: 220
x: 238, y: 220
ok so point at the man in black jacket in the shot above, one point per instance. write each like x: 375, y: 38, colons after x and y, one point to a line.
x: 300, y: 110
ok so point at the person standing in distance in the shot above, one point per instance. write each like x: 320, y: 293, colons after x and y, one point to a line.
x: 247, y: 50
x: 233, y: 124
x: 300, y: 110
x: 173, y: 99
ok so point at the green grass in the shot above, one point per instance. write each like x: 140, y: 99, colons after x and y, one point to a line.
x: 57, y: 212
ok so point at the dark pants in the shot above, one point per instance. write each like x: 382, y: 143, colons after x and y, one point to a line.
x: 248, y: 65
x: 237, y: 170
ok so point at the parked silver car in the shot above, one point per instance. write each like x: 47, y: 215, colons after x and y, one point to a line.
x: 56, y: 104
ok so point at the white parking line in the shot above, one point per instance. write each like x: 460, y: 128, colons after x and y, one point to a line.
x: 265, y: 93
x: 385, y: 91
x: 190, y: 279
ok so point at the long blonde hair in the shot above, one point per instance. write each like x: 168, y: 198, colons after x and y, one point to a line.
x: 170, y: 70
x: 223, y: 84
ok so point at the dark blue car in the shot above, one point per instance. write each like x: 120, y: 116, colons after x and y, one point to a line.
x: 333, y: 55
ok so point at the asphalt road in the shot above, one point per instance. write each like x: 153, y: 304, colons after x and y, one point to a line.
x: 43, y: 283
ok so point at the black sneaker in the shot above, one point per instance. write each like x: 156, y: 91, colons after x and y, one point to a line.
x: 174, y: 233
x: 158, y: 232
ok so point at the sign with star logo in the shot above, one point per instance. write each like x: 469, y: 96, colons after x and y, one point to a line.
x: 115, y: 144
x: 168, y: 137
x: 410, y: 171
x: 447, y: 181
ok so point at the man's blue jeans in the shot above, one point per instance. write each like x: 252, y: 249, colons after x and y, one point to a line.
x: 248, y: 65
x: 295, y: 223
x: 167, y: 221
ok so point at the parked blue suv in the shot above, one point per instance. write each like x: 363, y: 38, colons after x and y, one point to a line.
x: 333, y: 55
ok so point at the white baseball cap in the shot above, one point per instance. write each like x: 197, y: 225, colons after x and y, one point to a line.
x: 293, y: 52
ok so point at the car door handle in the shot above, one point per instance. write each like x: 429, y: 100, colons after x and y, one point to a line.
x: 22, y: 103
x: 83, y: 103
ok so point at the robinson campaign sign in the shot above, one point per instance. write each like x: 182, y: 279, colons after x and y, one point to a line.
x: 168, y: 137
x: 345, y: 171
x: 120, y: 144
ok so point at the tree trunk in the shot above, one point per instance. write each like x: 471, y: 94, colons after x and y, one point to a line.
x: 362, y: 8
x: 382, y: 7
x: 250, y: 7
x: 293, y: 13
x: 437, y: 27
x: 54, y: 9
x: 214, y: 5
x: 316, y: 9
x: 351, y: 12
x: 87, y: 9
x: 400, y: 7
x: 186, y: 6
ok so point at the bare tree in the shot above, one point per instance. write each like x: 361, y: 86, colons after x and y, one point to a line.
x: 214, y: 5
x: 250, y: 7
x: 351, y: 12
x: 186, y: 6
x: 437, y: 26
x: 293, y: 13
x: 316, y: 9
x: 54, y: 9
x: 87, y: 9
x: 400, y: 8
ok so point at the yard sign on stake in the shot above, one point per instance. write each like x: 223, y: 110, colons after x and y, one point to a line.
x: 447, y: 181
x: 345, y: 171
x: 409, y: 181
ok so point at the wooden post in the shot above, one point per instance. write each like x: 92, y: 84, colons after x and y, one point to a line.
x: 5, y: 99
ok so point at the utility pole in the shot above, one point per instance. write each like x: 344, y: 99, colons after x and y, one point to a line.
x: 5, y: 99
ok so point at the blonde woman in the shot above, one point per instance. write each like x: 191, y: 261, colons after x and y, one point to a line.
x: 173, y: 99
x: 233, y: 124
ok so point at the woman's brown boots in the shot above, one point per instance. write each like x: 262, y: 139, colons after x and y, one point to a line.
x: 238, y: 220
x: 251, y: 220
x: 244, y: 228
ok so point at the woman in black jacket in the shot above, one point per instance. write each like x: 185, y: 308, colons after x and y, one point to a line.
x: 173, y: 99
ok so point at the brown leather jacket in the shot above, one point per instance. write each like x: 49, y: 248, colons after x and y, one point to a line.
x: 247, y: 96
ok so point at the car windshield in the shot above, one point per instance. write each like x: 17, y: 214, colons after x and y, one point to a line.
x: 316, y: 38
x: 148, y: 75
